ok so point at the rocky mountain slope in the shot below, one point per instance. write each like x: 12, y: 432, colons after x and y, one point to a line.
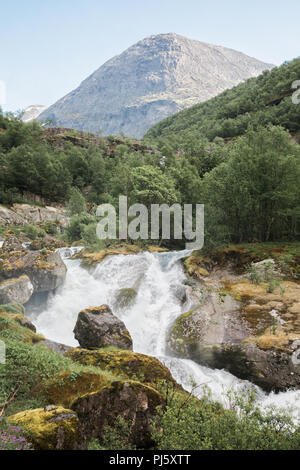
x: 151, y: 80
x: 32, y: 112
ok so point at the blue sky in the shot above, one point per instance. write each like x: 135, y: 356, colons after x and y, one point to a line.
x: 49, y: 46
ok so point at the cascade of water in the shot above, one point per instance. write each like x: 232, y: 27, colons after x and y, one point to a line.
x: 156, y: 277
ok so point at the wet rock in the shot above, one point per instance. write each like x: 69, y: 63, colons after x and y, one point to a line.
x: 52, y: 428
x: 16, y: 290
x: 180, y: 293
x: 199, y: 333
x: 244, y: 329
x: 98, y: 327
x: 125, y: 298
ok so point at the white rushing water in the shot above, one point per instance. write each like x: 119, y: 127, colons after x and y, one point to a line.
x: 156, y: 277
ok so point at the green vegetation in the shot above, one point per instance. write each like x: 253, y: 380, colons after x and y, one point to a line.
x: 249, y: 185
x: 189, y: 425
x: 257, y: 102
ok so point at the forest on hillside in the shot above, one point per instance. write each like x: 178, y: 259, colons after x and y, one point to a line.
x: 250, y: 186
x: 257, y: 102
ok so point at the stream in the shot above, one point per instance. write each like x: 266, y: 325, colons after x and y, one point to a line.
x: 156, y: 277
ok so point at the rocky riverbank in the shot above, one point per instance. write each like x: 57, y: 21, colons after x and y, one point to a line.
x: 245, y: 318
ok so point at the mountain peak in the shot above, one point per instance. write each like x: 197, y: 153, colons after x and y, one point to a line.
x: 154, y: 78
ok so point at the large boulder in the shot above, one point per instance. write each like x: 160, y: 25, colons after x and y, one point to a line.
x: 45, y: 269
x: 199, y: 333
x: 98, y: 327
x: 245, y: 329
x: 16, y: 290
x: 131, y: 401
x: 67, y: 386
x: 51, y: 428
x: 129, y: 364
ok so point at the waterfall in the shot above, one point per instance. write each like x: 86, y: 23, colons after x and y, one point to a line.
x: 156, y: 277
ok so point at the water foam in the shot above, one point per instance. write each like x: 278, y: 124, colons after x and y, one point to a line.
x: 156, y: 277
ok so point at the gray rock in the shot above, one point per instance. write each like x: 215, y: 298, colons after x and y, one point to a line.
x: 98, y: 327
x: 198, y: 333
x: 16, y: 290
x: 46, y: 271
x: 214, y: 333
x: 32, y: 112
x: 12, y: 244
x: 151, y: 80
x: 57, y: 347
x: 21, y: 214
x: 9, y: 217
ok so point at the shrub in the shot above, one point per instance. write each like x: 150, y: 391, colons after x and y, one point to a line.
x: 33, y: 232
x: 76, y: 205
x: 26, y: 366
x: 74, y: 231
x: 254, y: 275
x: 115, y: 437
x: 205, y: 425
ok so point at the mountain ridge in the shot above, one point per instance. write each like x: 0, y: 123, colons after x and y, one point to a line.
x: 152, y: 79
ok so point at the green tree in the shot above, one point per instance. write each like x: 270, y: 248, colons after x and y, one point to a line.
x: 76, y: 204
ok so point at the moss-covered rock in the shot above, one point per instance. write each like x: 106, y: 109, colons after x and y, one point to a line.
x: 197, y: 265
x: 127, y: 364
x: 51, y: 428
x: 125, y: 297
x: 131, y: 401
x: 92, y: 258
x: 68, y: 386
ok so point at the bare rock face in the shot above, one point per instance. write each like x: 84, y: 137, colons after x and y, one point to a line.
x: 21, y: 214
x: 200, y: 333
x: 151, y: 80
x: 132, y: 401
x: 16, y: 290
x: 98, y: 327
x: 9, y: 217
x: 32, y: 112
x: 46, y: 270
